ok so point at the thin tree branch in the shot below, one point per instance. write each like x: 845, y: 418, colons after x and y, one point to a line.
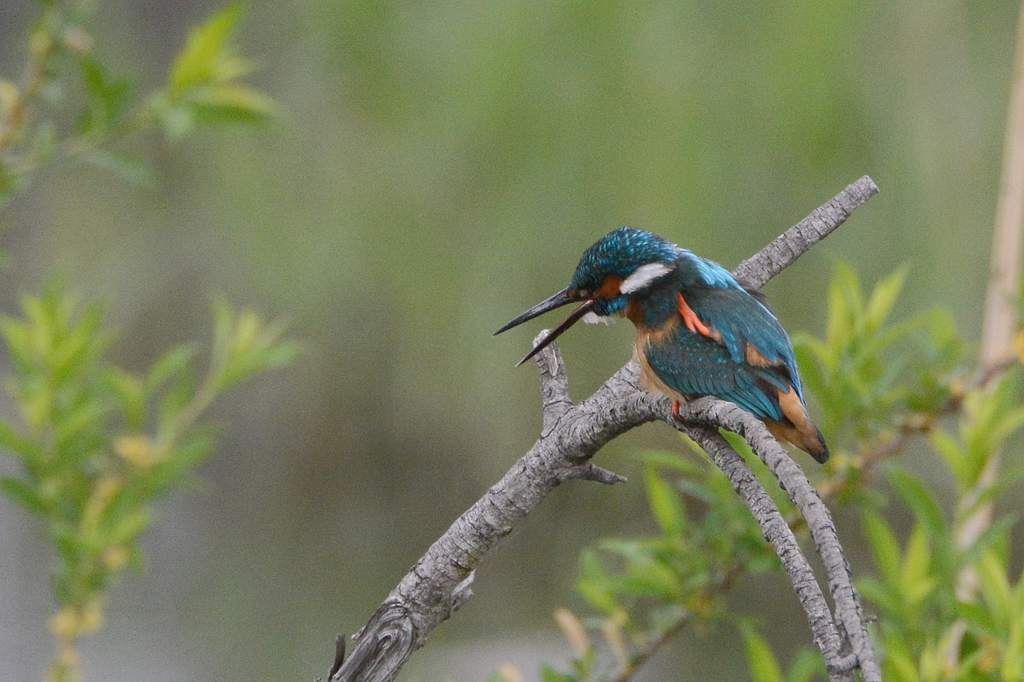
x: 819, y: 521
x: 641, y: 657
x: 554, y: 387
x: 783, y: 251
x: 42, y: 48
x: 572, y: 434
x: 780, y: 536
x: 910, y: 426
x: 999, y: 322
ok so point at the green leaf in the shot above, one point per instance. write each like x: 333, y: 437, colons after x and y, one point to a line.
x: 25, y: 495
x: 915, y: 576
x: 231, y: 103
x: 170, y: 365
x: 205, y: 50
x: 246, y: 346
x: 128, y: 528
x: 176, y: 398
x: 995, y: 588
x: 76, y: 345
x: 807, y: 666
x: 629, y: 549
x: 995, y: 539
x: 665, y: 504
x: 130, y: 394
x: 920, y: 500
x: 17, y: 444
x: 1013, y: 654
x: 672, y: 460
x: 951, y: 451
x: 977, y: 617
x: 884, y: 546
x: 900, y: 665
x: 84, y: 419
x: 883, y: 298
x: 594, y: 584
x: 176, y: 467
x: 69, y: 547
x: 874, y: 591
x: 10, y: 182
x: 1007, y: 478
x: 108, y: 98
x: 764, y: 667
x: 549, y: 674
x: 19, y: 344
x: 132, y: 171
x: 651, y: 579
x: 846, y: 306
x: 1007, y: 425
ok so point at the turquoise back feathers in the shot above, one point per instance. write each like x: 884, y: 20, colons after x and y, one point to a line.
x: 699, y: 331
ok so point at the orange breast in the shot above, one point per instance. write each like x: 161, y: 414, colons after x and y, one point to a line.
x: 648, y: 377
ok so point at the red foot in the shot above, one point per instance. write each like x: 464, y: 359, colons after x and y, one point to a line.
x: 675, y: 408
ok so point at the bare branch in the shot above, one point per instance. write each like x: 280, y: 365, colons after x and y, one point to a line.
x: 554, y: 385
x: 819, y: 519
x: 779, y: 535
x: 572, y: 434
x: 783, y: 251
x: 999, y: 322
x: 592, y: 472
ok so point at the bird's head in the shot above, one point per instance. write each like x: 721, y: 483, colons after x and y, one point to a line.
x: 626, y: 263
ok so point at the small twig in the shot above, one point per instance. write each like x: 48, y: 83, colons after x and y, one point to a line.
x: 571, y: 435
x: 339, y: 655
x: 17, y: 115
x: 641, y: 657
x: 911, y: 426
x: 592, y: 472
x: 554, y: 386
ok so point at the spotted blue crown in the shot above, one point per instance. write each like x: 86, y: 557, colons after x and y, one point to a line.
x: 618, y: 254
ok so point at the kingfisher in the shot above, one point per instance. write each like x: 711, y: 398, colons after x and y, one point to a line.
x: 699, y: 331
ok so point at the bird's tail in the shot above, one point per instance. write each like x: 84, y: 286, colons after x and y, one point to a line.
x: 797, y: 428
x: 810, y: 441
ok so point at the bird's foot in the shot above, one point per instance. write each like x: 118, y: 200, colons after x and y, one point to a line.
x: 676, y: 405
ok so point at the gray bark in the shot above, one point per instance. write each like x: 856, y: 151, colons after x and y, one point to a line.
x: 571, y: 434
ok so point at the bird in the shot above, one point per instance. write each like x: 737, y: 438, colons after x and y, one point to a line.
x: 699, y: 331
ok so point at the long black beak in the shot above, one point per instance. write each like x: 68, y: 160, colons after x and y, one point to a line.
x: 556, y: 301
x: 549, y: 303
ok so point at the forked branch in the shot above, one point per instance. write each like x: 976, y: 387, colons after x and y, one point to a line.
x: 572, y: 433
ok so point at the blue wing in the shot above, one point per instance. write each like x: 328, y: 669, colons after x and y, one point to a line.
x: 747, y: 329
x: 727, y: 343
x: 695, y: 365
x: 741, y: 320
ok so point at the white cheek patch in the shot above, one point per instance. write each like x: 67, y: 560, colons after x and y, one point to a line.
x: 644, y: 275
x: 594, y: 318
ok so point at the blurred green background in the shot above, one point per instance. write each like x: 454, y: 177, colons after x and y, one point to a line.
x: 439, y: 167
